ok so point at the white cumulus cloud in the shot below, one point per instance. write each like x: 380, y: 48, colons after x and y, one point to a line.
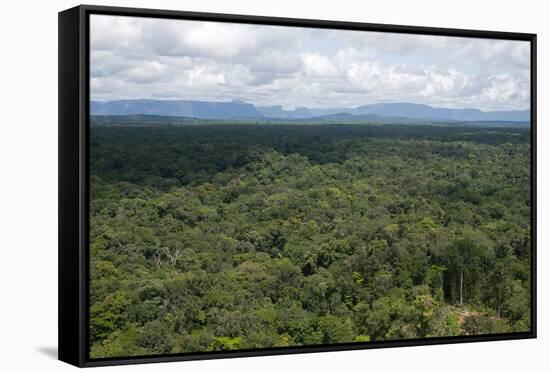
x: 134, y: 57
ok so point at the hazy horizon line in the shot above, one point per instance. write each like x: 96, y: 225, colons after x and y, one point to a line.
x: 312, y: 107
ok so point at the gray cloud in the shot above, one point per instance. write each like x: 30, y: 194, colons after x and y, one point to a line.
x: 135, y: 57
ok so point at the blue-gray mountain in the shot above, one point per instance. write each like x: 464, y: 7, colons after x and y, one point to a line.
x: 176, y: 108
x: 242, y: 110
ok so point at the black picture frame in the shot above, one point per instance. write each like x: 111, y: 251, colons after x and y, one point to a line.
x: 73, y: 206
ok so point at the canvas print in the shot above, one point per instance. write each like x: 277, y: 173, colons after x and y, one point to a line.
x: 264, y: 187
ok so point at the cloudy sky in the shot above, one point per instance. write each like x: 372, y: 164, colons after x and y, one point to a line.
x: 135, y: 57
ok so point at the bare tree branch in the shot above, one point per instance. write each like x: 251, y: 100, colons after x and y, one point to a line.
x: 157, y: 259
x: 173, y: 256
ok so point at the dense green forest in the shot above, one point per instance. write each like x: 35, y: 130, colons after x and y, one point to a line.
x: 237, y: 236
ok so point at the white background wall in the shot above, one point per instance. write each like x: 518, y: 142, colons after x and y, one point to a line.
x: 28, y: 185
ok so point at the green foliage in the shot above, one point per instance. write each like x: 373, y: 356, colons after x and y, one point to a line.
x: 361, y: 338
x: 156, y: 337
x: 483, y: 324
x: 109, y: 315
x: 218, y: 237
x: 225, y: 343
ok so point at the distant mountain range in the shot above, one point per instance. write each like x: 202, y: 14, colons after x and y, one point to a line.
x: 179, y: 108
x: 243, y: 110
